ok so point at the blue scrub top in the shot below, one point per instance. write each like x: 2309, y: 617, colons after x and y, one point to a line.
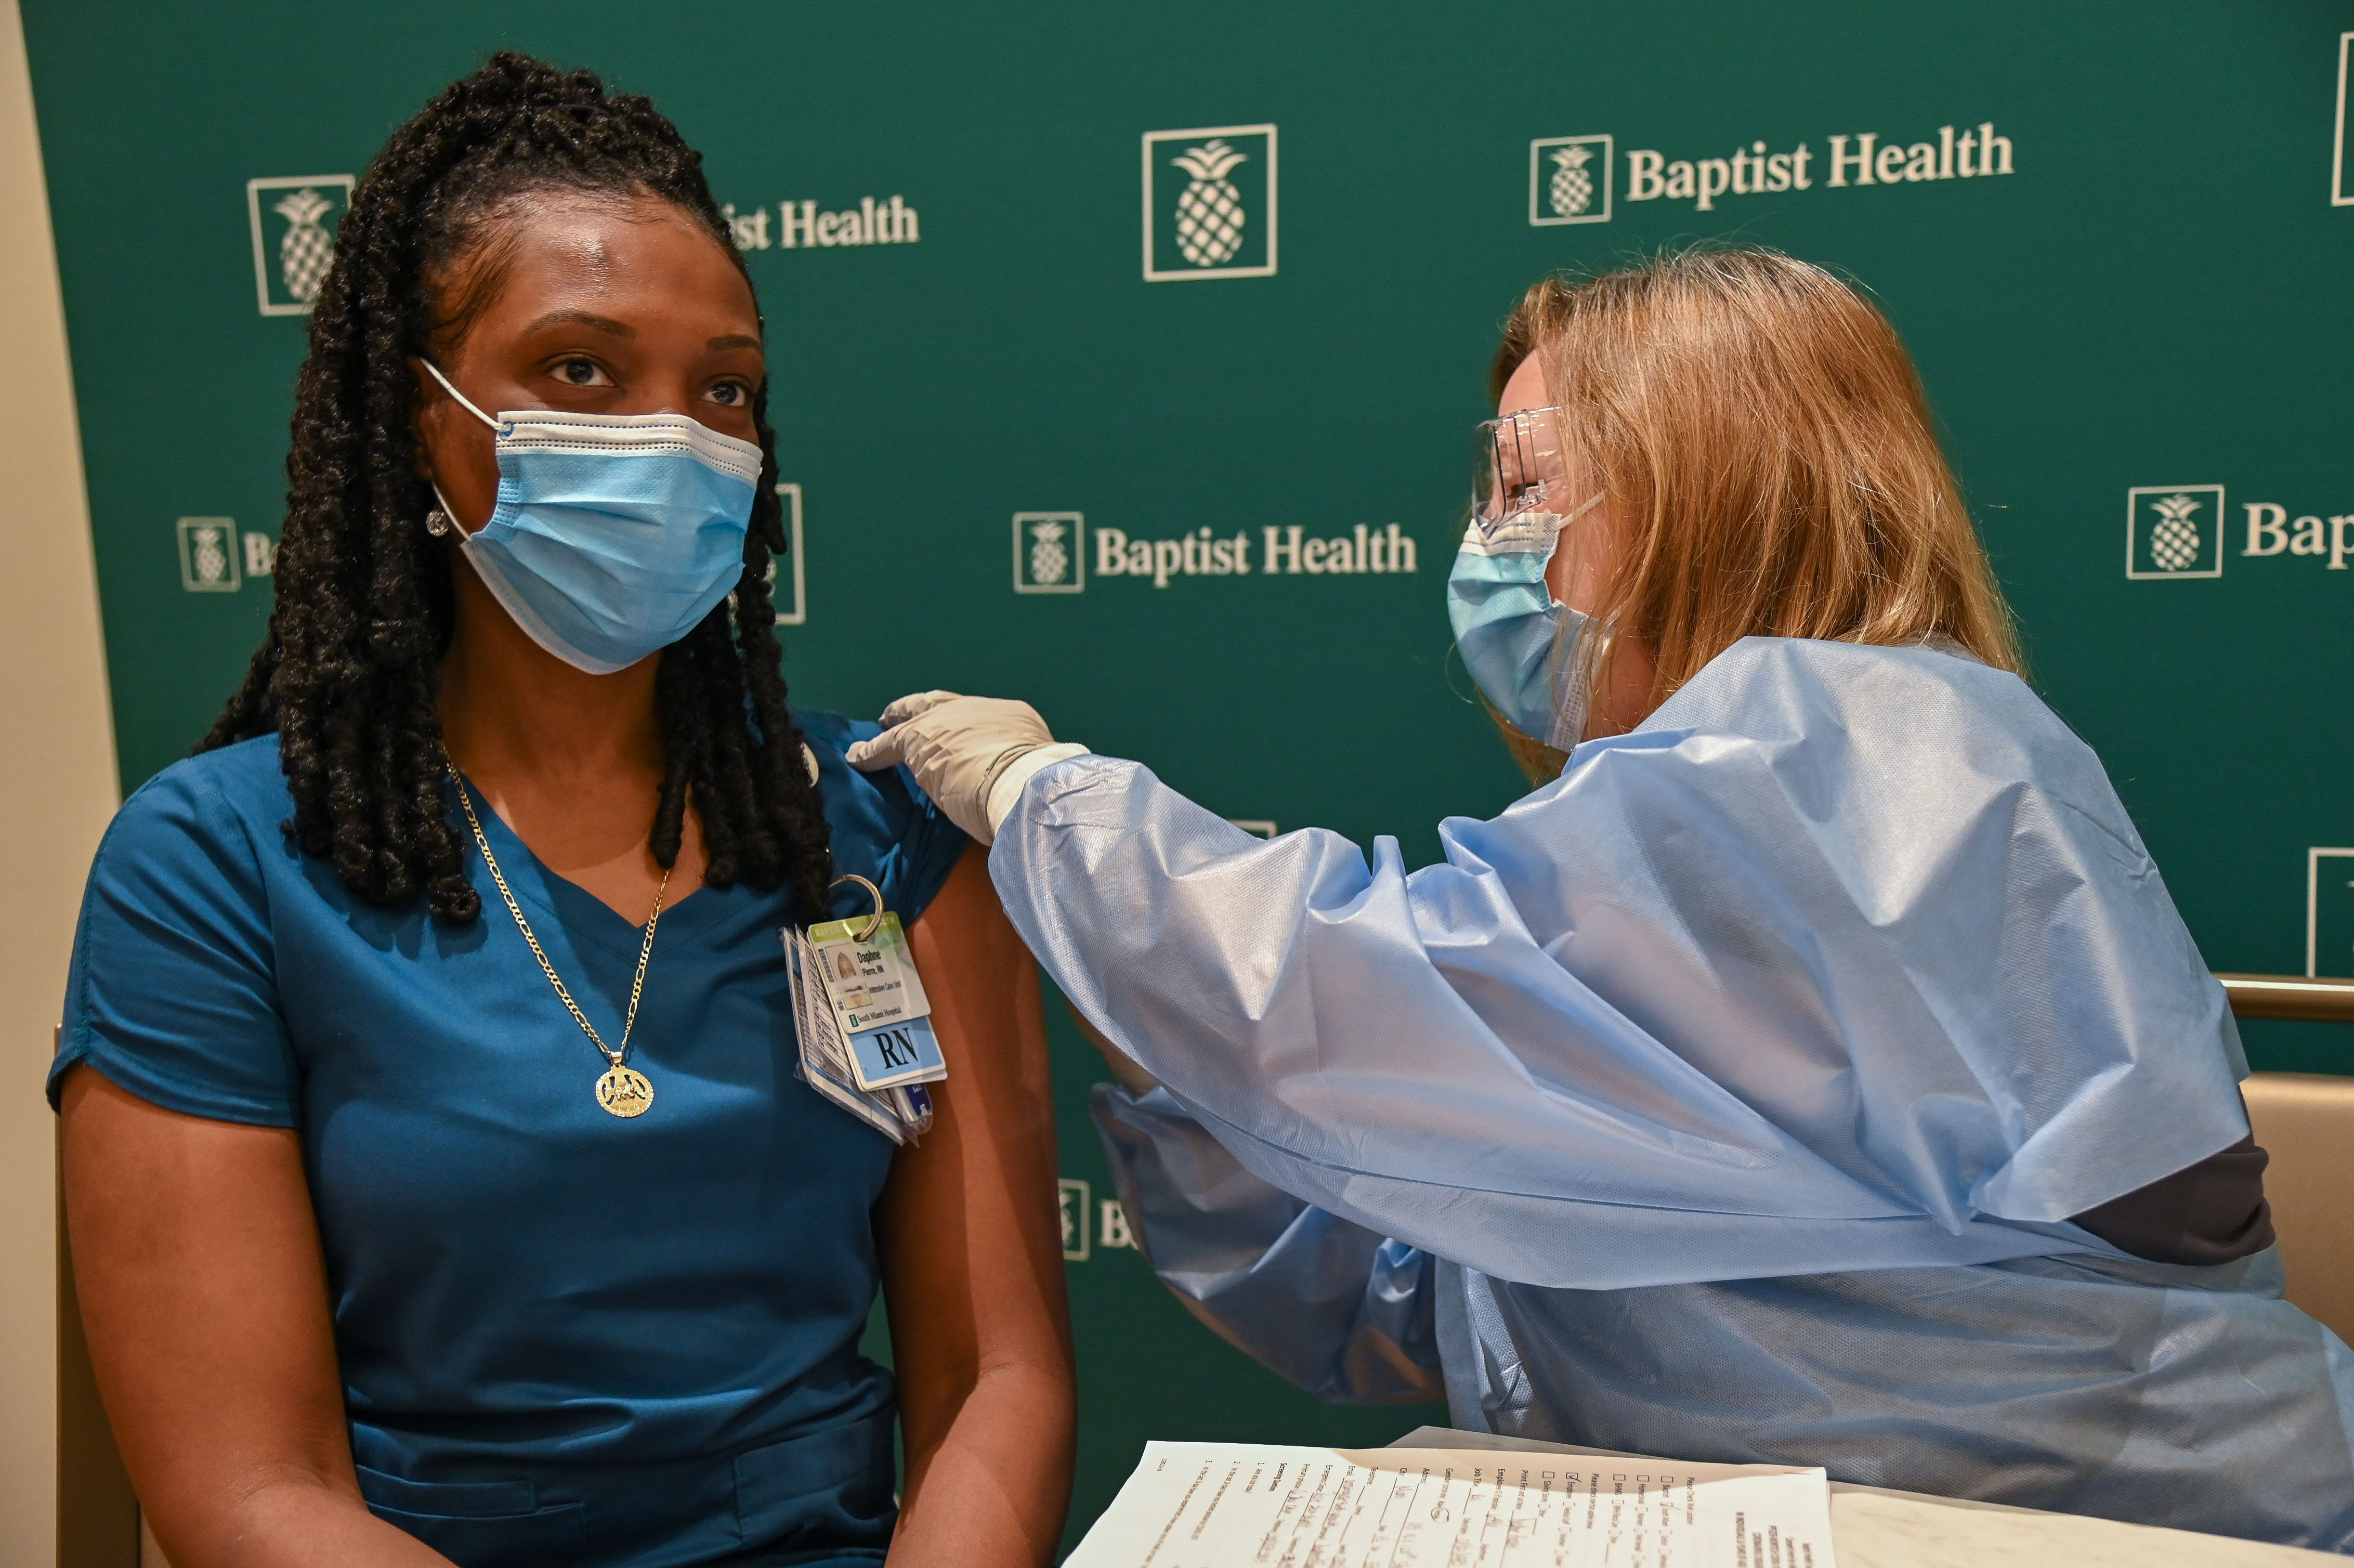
x: 565, y: 1337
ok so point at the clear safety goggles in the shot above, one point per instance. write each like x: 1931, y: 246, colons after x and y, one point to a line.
x: 1519, y: 466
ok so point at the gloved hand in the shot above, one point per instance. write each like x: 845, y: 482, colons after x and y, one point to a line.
x: 971, y: 755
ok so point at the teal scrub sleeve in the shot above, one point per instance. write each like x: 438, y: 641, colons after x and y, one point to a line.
x: 172, y: 992
x: 916, y: 847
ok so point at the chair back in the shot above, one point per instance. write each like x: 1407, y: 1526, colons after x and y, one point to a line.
x: 2305, y: 1121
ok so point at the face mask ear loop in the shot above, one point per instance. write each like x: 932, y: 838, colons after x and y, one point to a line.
x: 1561, y: 523
x: 449, y: 511
x: 462, y: 402
x: 1585, y: 506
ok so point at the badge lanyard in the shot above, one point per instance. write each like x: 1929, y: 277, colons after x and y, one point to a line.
x: 866, y: 1040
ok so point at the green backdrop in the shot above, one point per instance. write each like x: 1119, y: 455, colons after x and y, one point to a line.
x: 2112, y: 234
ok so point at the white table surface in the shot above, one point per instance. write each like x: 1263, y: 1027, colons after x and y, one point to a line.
x: 1872, y: 1527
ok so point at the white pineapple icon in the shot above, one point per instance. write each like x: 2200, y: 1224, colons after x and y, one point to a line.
x: 208, y: 556
x: 2174, y: 543
x: 1572, y: 189
x: 305, y: 250
x: 1210, y: 215
x: 1049, y: 557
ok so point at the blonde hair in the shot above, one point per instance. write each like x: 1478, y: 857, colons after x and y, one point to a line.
x: 1769, y: 457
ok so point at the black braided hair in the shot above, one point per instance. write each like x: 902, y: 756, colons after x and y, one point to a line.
x: 347, y: 673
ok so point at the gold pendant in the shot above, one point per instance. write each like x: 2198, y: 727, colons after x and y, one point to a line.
x: 625, y: 1092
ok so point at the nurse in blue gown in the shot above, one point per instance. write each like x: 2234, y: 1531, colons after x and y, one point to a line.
x: 440, y: 1184
x: 1815, y: 1071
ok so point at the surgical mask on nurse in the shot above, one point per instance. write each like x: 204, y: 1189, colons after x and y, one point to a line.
x: 614, y: 534
x: 1532, y: 656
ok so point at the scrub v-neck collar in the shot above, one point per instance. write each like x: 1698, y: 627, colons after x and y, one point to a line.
x: 583, y: 915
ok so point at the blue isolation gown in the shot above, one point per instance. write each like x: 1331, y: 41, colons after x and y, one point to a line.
x: 1727, y: 1099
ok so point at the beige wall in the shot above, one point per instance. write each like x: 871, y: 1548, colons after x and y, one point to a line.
x: 56, y: 790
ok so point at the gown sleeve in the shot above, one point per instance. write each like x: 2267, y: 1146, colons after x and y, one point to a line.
x: 1848, y: 960
x: 1344, y: 1313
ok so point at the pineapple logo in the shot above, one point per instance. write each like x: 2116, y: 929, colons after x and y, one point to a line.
x: 2174, y: 543
x: 2175, y: 531
x: 1562, y: 183
x: 293, y: 238
x: 1048, y: 559
x: 1218, y: 220
x: 1049, y: 552
x: 1210, y: 215
x: 1572, y: 188
x: 304, y: 251
x: 208, y: 555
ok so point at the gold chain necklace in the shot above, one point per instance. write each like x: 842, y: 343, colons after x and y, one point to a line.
x: 622, y: 1090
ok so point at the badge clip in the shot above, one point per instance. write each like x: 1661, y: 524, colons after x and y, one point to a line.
x: 866, y: 932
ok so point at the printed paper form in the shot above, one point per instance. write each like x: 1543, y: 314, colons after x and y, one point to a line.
x: 1244, y: 1505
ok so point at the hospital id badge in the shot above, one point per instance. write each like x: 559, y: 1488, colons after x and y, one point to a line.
x: 902, y: 1112
x: 869, y: 974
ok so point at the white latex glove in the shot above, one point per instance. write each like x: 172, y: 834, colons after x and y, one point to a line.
x: 971, y: 755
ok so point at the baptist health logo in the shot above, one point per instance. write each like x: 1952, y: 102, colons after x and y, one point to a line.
x: 294, y: 223
x: 1567, y: 175
x: 1073, y: 1197
x: 212, y: 550
x: 1571, y: 178
x: 875, y: 220
x: 1209, y: 202
x: 1050, y: 553
x: 2180, y: 530
x: 2174, y: 531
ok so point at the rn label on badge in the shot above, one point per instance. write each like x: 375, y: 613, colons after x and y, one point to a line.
x: 897, y: 1053
x: 871, y: 984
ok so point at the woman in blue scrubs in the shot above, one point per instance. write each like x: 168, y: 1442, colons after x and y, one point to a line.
x: 441, y: 1188
x: 1816, y: 1071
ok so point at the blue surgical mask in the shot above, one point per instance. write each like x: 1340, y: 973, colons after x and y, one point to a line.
x: 1527, y: 652
x: 614, y: 534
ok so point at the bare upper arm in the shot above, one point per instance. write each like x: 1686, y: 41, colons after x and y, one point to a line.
x: 204, y: 1295
x: 972, y: 1256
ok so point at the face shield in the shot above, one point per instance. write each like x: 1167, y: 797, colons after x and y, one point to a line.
x: 1518, y: 467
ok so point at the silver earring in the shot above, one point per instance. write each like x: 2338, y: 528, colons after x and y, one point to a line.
x: 437, y: 522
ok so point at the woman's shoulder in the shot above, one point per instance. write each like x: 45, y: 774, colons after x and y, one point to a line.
x: 883, y: 826
x: 1863, y: 731
x: 172, y: 991
x: 1865, y: 697
x: 201, y: 832
x: 821, y: 729
x: 211, y: 797
x: 1775, y: 675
